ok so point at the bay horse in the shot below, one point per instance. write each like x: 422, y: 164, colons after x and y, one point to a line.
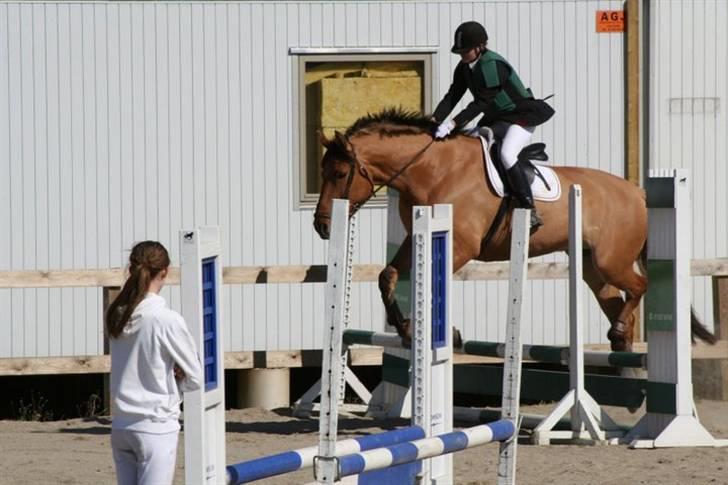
x: 397, y: 149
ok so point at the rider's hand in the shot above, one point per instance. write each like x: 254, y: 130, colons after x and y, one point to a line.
x: 444, y: 129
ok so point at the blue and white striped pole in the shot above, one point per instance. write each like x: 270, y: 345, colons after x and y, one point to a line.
x: 291, y: 461
x: 376, y: 459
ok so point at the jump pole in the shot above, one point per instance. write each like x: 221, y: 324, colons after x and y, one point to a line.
x: 204, y: 411
x: 671, y: 419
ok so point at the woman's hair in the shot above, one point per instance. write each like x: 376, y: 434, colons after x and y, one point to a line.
x: 146, y: 261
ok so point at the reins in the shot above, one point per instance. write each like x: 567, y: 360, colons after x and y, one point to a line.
x: 401, y: 170
x: 391, y: 179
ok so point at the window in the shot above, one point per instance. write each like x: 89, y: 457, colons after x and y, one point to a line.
x: 335, y: 88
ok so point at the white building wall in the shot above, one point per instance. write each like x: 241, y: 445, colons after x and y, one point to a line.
x: 688, y: 96
x: 128, y: 121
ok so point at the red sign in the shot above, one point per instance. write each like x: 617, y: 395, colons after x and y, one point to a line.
x: 610, y: 20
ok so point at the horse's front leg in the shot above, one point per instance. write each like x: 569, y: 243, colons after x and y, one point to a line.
x: 388, y: 282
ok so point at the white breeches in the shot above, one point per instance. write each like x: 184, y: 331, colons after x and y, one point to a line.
x: 144, y: 458
x: 513, y: 139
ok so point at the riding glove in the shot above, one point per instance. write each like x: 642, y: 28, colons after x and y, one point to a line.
x: 444, y: 129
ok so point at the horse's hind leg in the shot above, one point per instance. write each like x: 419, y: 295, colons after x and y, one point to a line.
x: 388, y: 282
x: 606, y: 281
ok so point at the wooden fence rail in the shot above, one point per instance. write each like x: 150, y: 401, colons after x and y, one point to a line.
x: 110, y: 279
x: 237, y: 275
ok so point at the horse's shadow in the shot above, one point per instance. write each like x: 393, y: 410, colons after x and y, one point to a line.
x: 103, y: 428
x: 348, y: 425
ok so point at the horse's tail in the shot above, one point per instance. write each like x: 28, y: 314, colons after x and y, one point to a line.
x: 698, y: 330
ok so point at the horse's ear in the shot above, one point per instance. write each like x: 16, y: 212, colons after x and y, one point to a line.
x: 324, y: 141
x: 342, y: 140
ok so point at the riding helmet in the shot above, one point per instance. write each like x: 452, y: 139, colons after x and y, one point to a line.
x: 467, y: 36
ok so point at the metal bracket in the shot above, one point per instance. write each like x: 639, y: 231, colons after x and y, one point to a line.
x: 324, y: 464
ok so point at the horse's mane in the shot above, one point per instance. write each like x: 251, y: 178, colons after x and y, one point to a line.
x: 392, y: 122
x: 388, y: 122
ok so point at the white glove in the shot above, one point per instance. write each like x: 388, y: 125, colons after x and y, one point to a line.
x: 444, y: 129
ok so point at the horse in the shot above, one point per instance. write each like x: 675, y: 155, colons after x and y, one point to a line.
x: 396, y: 149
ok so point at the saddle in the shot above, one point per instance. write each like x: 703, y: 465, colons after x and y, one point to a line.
x: 534, y: 151
x: 544, y: 182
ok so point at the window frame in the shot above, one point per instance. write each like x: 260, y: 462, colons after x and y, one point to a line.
x: 301, y: 56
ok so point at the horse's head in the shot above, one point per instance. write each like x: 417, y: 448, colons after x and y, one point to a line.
x: 343, y: 177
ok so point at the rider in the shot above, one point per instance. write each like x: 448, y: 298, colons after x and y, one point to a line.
x: 498, y: 93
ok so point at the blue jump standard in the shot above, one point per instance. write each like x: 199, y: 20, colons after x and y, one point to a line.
x: 291, y: 461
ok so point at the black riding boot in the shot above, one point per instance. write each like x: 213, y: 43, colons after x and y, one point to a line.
x: 522, y: 192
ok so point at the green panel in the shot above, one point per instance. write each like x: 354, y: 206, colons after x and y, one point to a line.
x: 363, y: 337
x: 660, y: 297
x: 660, y: 192
x: 540, y: 385
x: 661, y: 398
x: 395, y: 370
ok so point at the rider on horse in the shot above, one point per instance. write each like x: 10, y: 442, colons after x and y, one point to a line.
x: 507, y: 106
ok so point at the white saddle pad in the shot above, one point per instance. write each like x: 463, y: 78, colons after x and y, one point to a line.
x: 540, y: 191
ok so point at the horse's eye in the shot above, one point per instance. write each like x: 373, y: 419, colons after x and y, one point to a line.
x: 340, y: 175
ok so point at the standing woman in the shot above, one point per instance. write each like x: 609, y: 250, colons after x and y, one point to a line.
x: 153, y: 360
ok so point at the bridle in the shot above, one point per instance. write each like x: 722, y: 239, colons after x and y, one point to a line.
x: 354, y: 162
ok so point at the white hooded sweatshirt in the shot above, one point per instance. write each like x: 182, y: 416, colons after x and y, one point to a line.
x: 144, y: 392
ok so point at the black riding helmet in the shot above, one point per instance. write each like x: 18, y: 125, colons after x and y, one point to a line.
x: 467, y: 36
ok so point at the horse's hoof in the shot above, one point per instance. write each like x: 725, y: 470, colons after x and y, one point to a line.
x: 618, y: 345
x: 618, y: 337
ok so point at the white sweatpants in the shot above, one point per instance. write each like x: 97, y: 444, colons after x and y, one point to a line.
x: 513, y: 139
x: 144, y: 458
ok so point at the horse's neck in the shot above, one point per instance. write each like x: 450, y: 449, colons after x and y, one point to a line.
x: 391, y: 161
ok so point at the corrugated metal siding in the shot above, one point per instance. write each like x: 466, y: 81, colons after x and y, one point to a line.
x: 129, y: 121
x: 688, y: 96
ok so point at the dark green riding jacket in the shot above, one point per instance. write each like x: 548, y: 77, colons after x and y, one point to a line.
x: 497, y: 92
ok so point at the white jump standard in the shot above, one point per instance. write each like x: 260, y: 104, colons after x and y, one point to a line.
x: 204, y: 411
x: 431, y: 372
x: 431, y: 411
x: 588, y: 420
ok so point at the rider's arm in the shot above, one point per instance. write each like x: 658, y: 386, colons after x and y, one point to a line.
x: 454, y: 94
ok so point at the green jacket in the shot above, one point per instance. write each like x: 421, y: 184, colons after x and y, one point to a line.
x: 497, y: 92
